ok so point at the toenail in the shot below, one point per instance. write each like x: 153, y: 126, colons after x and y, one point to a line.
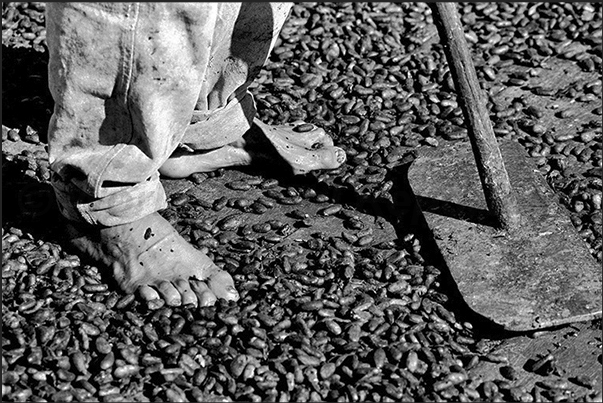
x: 207, y: 302
x: 155, y: 304
x: 340, y: 156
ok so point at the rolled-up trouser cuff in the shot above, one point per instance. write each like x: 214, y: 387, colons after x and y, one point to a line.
x: 223, y: 126
x: 122, y: 207
x: 127, y: 78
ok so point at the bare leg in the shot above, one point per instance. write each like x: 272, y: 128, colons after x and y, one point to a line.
x: 182, y: 164
x: 304, y: 148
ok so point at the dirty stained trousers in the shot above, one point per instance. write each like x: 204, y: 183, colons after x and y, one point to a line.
x: 133, y: 81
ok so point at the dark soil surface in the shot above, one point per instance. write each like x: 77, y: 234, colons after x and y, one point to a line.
x: 339, y: 302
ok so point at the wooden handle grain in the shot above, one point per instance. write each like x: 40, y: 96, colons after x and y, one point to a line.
x: 497, y: 189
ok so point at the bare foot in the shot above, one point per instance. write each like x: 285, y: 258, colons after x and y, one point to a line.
x: 182, y: 164
x: 149, y: 256
x: 304, y: 147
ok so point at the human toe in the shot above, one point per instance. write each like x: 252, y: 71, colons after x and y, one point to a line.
x: 148, y: 293
x: 169, y: 293
x: 340, y: 156
x: 330, y: 157
x: 204, y: 295
x: 222, y: 285
x: 187, y: 294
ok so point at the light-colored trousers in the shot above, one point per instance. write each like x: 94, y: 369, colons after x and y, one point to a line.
x: 132, y: 81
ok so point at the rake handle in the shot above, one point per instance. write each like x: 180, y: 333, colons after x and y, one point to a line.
x: 497, y: 189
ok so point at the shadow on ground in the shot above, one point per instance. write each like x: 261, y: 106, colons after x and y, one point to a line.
x: 29, y: 204
x: 26, y: 99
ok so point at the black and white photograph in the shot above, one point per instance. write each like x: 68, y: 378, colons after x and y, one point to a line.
x: 302, y: 202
